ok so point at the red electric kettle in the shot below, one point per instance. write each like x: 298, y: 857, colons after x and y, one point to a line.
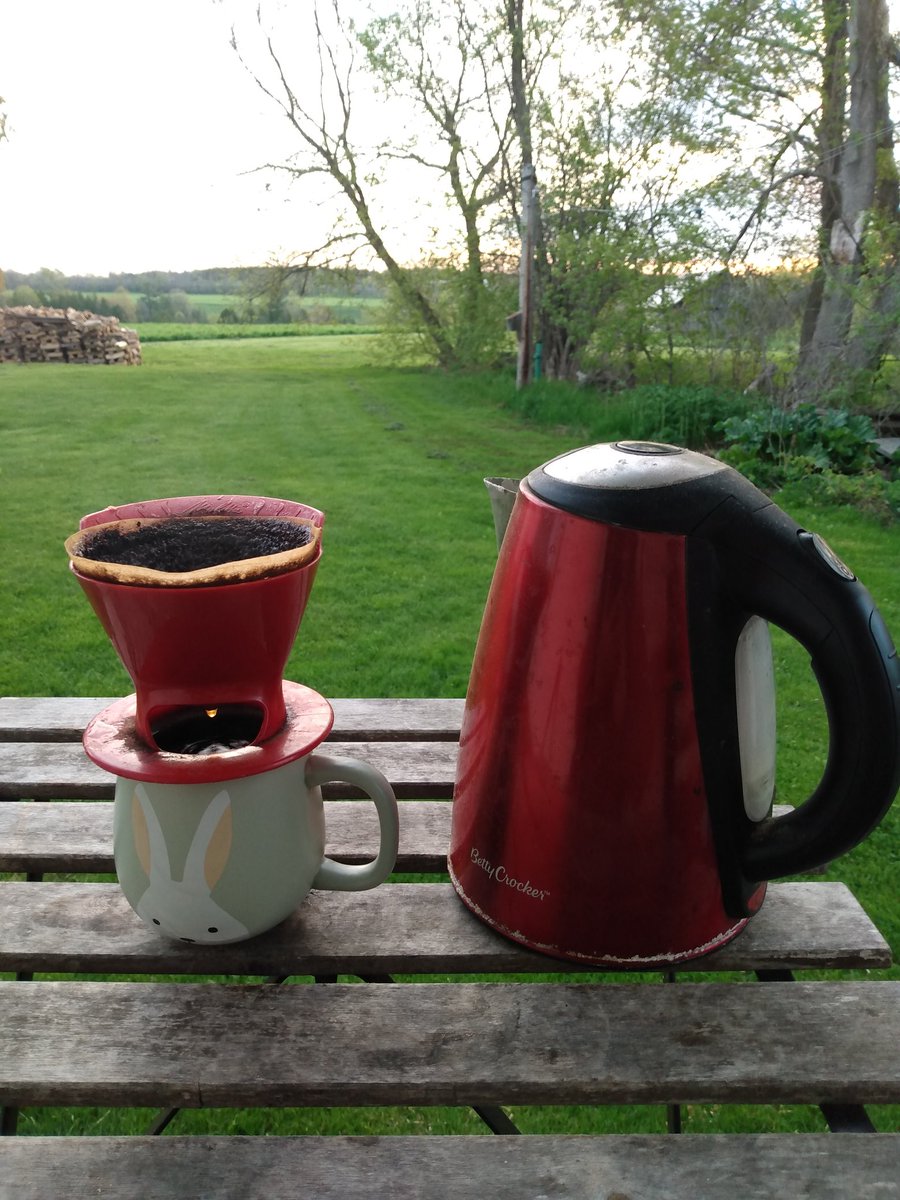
x: 617, y: 754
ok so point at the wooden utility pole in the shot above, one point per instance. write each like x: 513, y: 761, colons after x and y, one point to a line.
x: 526, y: 277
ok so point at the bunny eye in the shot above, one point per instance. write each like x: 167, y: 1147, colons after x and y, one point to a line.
x: 155, y: 922
x: 212, y: 929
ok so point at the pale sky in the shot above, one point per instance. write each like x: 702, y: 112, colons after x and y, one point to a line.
x: 132, y: 127
x: 134, y: 132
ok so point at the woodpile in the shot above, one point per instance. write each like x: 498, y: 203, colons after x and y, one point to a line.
x: 30, y: 334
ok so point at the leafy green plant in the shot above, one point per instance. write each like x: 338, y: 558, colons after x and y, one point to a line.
x: 775, y: 446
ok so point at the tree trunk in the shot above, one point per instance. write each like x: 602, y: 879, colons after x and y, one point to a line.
x: 412, y: 294
x: 831, y: 131
x: 846, y: 344
x: 546, y: 330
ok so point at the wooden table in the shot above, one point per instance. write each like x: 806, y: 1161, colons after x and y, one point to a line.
x: 760, y: 1037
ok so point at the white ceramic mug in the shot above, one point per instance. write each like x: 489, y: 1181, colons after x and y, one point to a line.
x: 221, y: 862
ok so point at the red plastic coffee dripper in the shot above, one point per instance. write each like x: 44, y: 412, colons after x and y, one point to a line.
x: 211, y: 648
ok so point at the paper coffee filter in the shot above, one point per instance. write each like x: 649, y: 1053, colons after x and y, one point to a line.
x: 235, y: 571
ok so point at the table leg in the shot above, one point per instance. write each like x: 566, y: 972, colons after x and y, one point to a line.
x: 673, y: 1111
x: 495, y: 1118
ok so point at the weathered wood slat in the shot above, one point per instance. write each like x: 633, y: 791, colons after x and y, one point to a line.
x: 76, y: 837
x: 63, y: 718
x: 394, y: 929
x: 53, y: 770
x: 209, y: 1045
x: 717, y: 1167
x: 200, y: 1044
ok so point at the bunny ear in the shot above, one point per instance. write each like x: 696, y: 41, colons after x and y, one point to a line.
x: 211, y: 844
x: 149, y: 843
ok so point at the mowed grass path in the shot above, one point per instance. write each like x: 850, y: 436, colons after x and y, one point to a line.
x: 395, y: 458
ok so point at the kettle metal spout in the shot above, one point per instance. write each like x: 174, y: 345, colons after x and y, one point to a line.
x: 502, y: 493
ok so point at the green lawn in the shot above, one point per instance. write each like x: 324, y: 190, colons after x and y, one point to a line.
x: 395, y: 458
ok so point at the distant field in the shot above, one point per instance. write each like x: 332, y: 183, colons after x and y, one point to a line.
x: 213, y: 304
x: 343, y: 309
x: 168, y: 331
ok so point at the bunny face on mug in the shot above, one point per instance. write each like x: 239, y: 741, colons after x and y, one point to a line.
x: 184, y: 908
x: 221, y: 862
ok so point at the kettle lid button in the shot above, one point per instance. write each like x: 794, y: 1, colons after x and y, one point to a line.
x: 655, y: 448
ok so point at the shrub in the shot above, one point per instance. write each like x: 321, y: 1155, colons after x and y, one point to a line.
x: 686, y: 415
x: 819, y: 456
x: 775, y: 445
x: 872, y: 492
x: 472, y: 317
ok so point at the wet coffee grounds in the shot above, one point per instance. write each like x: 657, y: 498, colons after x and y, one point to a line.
x: 190, y: 544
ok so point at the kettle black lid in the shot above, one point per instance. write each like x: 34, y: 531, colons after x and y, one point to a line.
x: 642, y: 485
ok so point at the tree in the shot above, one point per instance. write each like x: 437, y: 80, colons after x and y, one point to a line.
x: 622, y: 216
x: 444, y: 61
x: 667, y: 142
x: 463, y: 79
x: 855, y: 305
x: 323, y: 115
x: 828, y: 164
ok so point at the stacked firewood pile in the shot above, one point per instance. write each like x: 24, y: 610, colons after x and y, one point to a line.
x: 32, y: 334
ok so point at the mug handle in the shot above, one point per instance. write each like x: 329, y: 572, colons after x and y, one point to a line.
x: 344, y: 877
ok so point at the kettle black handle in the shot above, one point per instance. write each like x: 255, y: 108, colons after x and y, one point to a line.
x: 773, y: 567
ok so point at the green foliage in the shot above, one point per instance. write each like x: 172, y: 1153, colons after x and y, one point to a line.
x: 819, y: 456
x: 20, y: 296
x: 558, y: 404
x: 471, y: 309
x: 325, y: 297
x: 684, y: 415
x: 774, y: 445
x: 872, y: 493
x: 749, y: 312
x: 51, y: 288
x: 623, y: 216
x: 170, y: 306
x: 202, y: 285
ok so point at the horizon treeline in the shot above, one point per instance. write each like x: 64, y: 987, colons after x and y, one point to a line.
x: 274, y: 294
x: 225, y: 281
